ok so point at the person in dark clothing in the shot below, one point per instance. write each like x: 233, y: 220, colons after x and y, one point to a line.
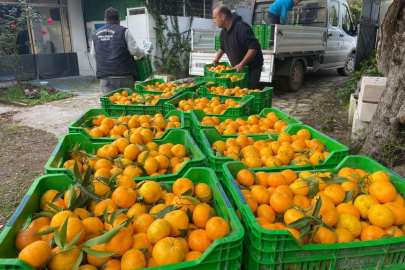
x: 113, y: 47
x: 279, y: 10
x: 239, y: 43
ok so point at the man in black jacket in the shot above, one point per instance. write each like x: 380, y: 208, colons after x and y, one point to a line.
x: 239, y: 43
x: 113, y: 47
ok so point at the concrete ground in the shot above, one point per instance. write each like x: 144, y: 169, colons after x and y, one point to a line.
x: 54, y: 117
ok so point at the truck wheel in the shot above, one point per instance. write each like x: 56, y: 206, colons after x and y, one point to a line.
x: 349, y: 67
x: 293, y: 82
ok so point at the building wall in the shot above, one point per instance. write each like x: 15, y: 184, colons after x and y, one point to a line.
x: 86, y: 63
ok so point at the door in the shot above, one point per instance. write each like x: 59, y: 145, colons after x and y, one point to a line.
x: 137, y: 23
x: 334, y: 33
x: 347, y: 41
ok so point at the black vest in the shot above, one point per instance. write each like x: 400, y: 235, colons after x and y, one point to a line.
x: 112, y: 55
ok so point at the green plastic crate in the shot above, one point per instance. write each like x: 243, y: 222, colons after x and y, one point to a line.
x: 244, y: 109
x: 225, y: 253
x: 59, y: 155
x: 243, y: 83
x: 337, y: 150
x: 262, y: 99
x: 268, y: 249
x: 205, y: 80
x: 259, y: 32
x: 76, y: 126
x: 120, y: 109
x: 196, y: 117
x: 217, y: 43
x: 143, y: 69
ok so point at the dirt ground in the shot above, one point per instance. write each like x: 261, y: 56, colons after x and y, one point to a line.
x: 329, y: 115
x: 24, y: 152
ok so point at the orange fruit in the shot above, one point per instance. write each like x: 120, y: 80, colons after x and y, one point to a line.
x: 142, y: 223
x: 261, y: 194
x: 328, y: 212
x: 203, y: 192
x: 198, y: 240
x: 202, y: 213
x: 192, y: 255
x: 182, y: 185
x: 131, y: 152
x: 301, y: 201
x: 364, y: 203
x: 343, y: 236
x: 371, y: 233
x: 381, y: 216
x: 112, y: 265
x: 133, y: 259
x: 383, y: 191
x: 87, y: 267
x: 36, y: 254
x: 280, y: 202
x: 276, y: 179
x: 350, y: 223
x: 25, y: 238
x: 265, y: 211
x: 167, y: 251
x: 251, y: 201
x: 398, y: 232
x: 336, y: 193
x: 324, y: 236
x: 379, y: 175
x: 262, y: 221
x: 141, y: 241
x: 347, y: 208
x: 93, y: 226
x: 124, y: 197
x: 399, y: 200
x: 245, y: 178
x: 217, y: 228
x: 151, y: 192
x: 136, y: 210
x: 185, y: 204
x: 126, y: 181
x: 292, y: 215
x: 399, y: 212
x: 184, y: 244
x: 158, y: 230
x: 63, y: 260
x: 299, y: 188
x: 48, y: 196
x: 284, y: 189
x: 178, y: 220
x: 289, y: 175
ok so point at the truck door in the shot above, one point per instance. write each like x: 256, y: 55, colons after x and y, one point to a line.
x: 334, y: 32
x: 347, y: 41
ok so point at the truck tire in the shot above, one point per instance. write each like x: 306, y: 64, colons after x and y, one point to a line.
x: 293, y: 82
x: 349, y: 67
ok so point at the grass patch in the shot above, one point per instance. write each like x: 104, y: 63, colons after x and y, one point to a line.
x: 368, y: 68
x: 42, y: 95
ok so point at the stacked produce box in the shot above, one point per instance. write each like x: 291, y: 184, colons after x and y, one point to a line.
x: 204, y: 176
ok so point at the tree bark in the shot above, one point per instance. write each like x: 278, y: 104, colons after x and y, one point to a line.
x: 386, y: 123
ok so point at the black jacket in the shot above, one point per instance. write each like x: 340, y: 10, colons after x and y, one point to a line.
x: 238, y: 40
x: 112, y: 55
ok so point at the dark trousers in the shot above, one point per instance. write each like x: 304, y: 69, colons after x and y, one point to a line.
x: 272, y: 20
x: 254, y: 77
x: 111, y: 84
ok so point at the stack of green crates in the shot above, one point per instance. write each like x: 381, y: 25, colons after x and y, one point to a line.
x: 143, y: 69
x: 262, y: 33
x: 217, y: 43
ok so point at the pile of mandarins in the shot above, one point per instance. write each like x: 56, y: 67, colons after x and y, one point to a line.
x: 152, y: 226
x: 220, y: 68
x: 233, y: 78
x: 123, y: 98
x: 236, y: 92
x: 374, y: 210
x: 125, y: 126
x: 166, y: 87
x: 213, y: 106
x: 254, y: 124
x: 287, y: 150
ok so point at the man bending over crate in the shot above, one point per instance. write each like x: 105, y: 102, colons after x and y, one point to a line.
x: 113, y: 47
x: 239, y: 43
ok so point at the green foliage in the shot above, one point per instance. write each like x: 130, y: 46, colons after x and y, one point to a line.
x: 13, y: 23
x: 172, y: 46
x: 368, y: 68
x: 393, y: 153
x: 355, y: 9
x: 43, y: 95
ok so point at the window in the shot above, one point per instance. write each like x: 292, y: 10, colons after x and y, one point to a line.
x: 334, y: 13
x: 346, y: 21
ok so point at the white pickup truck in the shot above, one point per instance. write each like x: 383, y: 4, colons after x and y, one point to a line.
x: 328, y: 42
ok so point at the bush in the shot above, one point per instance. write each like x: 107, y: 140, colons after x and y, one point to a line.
x: 368, y: 68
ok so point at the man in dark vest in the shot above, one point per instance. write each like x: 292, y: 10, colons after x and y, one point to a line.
x: 113, y: 48
x: 239, y: 43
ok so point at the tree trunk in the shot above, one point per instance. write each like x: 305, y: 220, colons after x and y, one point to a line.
x: 386, y: 129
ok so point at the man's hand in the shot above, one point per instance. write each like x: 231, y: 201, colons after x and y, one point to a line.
x: 145, y: 58
x: 239, y: 68
x: 215, y: 62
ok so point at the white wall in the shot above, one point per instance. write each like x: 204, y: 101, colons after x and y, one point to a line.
x: 79, y: 38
